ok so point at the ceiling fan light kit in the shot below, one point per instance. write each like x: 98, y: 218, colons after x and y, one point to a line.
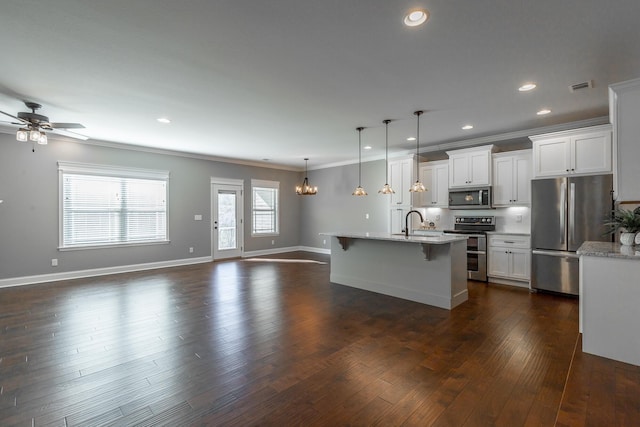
x: 34, y: 126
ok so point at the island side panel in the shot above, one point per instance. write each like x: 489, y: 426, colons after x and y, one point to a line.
x: 400, y: 269
x: 609, y: 303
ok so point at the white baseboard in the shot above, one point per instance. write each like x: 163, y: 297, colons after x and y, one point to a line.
x: 326, y: 251
x: 263, y: 252
x: 68, y: 275
x: 500, y: 281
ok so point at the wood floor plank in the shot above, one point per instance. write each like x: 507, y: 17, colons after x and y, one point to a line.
x: 271, y: 343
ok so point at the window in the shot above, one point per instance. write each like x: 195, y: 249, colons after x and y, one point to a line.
x: 264, y: 207
x: 105, y: 206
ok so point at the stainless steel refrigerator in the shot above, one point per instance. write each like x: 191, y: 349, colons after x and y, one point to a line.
x: 565, y: 212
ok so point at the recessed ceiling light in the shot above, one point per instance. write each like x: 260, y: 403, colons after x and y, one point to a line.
x: 416, y: 17
x: 163, y: 120
x: 543, y: 112
x: 367, y: 147
x: 411, y: 138
x: 527, y: 87
x: 467, y: 127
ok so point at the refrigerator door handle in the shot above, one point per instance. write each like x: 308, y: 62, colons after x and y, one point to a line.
x: 572, y: 213
x: 563, y: 212
x: 562, y: 254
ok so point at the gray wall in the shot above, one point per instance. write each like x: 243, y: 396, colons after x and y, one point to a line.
x: 335, y: 209
x: 29, y: 214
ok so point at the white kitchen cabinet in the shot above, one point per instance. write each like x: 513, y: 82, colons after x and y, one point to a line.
x: 435, y: 177
x: 401, y: 177
x: 397, y: 219
x: 585, y: 151
x: 470, y: 167
x: 509, y: 259
x: 624, y: 107
x: 512, y: 178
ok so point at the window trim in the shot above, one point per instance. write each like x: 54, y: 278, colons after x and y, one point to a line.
x: 260, y: 183
x: 113, y: 171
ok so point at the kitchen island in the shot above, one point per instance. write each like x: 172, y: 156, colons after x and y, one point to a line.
x: 609, y: 296
x: 427, y: 269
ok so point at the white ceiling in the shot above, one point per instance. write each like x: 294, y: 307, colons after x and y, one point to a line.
x: 287, y: 79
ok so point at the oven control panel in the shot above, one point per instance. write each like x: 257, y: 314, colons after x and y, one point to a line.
x: 476, y: 220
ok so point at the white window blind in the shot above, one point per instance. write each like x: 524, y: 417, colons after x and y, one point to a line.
x: 264, y: 207
x: 109, y: 206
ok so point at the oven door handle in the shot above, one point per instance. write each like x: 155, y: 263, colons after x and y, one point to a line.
x: 477, y: 252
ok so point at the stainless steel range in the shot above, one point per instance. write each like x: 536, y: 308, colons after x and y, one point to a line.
x: 475, y: 228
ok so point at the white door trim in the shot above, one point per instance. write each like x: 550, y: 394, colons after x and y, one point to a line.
x: 238, y: 184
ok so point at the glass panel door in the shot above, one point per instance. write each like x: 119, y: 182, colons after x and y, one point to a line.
x: 227, y: 224
x: 227, y: 221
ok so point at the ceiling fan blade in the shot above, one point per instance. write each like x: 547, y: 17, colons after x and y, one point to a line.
x: 66, y: 125
x: 14, y: 117
x: 70, y: 134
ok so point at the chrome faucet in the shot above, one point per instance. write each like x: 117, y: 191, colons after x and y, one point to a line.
x: 406, y: 221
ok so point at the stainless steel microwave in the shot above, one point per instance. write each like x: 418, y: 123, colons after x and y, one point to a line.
x: 470, y: 198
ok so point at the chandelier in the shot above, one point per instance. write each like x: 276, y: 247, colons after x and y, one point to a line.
x: 305, y: 189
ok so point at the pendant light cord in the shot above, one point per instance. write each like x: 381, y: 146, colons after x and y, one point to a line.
x: 418, y: 113
x: 386, y: 145
x: 360, y: 156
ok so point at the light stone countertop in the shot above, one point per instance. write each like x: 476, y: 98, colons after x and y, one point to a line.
x: 609, y: 250
x: 434, y: 240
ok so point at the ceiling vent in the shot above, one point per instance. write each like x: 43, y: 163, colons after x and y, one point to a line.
x: 579, y: 86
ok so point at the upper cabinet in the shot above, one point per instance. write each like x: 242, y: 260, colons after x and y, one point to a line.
x: 624, y: 107
x: 585, y: 151
x: 435, y: 177
x: 470, y: 167
x: 401, y: 177
x: 512, y: 178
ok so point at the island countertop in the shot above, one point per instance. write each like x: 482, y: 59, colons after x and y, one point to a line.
x: 609, y: 250
x: 412, y: 238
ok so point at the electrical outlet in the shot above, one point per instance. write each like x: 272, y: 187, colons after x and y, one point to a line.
x: 54, y: 262
x: 190, y: 250
x: 197, y: 217
x: 518, y: 218
x: 273, y: 242
x: 366, y: 216
x: 324, y: 242
x: 437, y: 217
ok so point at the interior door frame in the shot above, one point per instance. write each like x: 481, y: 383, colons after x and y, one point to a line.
x: 238, y: 183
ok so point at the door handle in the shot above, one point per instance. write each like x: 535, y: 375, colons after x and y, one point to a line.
x: 572, y: 213
x: 563, y: 213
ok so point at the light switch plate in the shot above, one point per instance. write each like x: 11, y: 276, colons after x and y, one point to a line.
x: 197, y: 217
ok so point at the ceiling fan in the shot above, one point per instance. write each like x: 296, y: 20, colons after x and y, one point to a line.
x: 34, y: 126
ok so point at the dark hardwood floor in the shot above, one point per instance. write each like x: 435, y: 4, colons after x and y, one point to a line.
x: 274, y: 343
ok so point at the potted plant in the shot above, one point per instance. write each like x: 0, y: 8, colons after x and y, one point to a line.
x: 626, y: 220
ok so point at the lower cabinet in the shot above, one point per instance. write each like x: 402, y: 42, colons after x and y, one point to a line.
x: 509, y: 259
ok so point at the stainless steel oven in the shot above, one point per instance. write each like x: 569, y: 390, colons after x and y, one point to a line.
x: 474, y: 228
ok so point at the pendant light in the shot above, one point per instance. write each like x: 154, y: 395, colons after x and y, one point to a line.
x: 305, y: 189
x: 386, y: 189
x: 417, y: 186
x: 359, y: 191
